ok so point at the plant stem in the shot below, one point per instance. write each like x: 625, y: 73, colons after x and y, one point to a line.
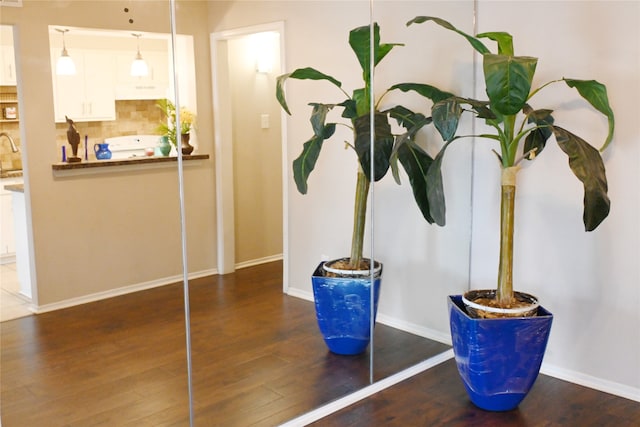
x: 504, y: 292
x: 359, y: 219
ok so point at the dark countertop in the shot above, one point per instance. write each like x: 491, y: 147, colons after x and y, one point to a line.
x: 18, y: 188
x: 124, y: 162
x: 12, y: 173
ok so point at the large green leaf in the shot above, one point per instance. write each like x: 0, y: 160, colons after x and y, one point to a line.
x: 383, y: 144
x: 477, y: 44
x: 416, y: 162
x: 349, y: 109
x: 428, y: 91
x: 359, y: 40
x: 537, y: 138
x: 361, y: 101
x: 508, y: 80
x: 304, y: 164
x: 319, y: 116
x: 300, y: 74
x: 412, y: 122
x: 596, y: 94
x: 446, y: 116
x: 588, y: 167
x: 482, y: 109
x: 504, y: 40
x: 407, y: 118
x: 443, y: 122
x: 435, y: 188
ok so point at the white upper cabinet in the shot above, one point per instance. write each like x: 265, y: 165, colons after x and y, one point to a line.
x: 154, y: 85
x: 7, y: 66
x: 103, y: 63
x: 89, y: 95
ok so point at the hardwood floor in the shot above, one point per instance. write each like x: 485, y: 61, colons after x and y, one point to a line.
x: 437, y: 398
x: 258, y: 358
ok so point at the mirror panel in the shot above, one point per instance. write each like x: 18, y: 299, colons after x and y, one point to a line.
x: 145, y: 246
x: 423, y: 262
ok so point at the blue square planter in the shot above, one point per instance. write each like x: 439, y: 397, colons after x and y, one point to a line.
x: 343, y: 311
x: 498, y: 359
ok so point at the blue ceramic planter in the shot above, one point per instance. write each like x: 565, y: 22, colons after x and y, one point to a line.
x: 498, y: 359
x: 343, y: 308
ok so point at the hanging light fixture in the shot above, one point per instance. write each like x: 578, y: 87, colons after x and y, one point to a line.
x: 65, y: 65
x: 139, y: 66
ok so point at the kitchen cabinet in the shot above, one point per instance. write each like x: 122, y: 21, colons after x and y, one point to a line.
x: 7, y: 66
x: 8, y: 104
x: 89, y: 95
x: 7, y: 233
x: 155, y: 85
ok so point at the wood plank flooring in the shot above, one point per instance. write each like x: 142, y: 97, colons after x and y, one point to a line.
x: 258, y: 358
x: 437, y: 398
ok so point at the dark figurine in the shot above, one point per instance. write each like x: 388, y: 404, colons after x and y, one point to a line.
x: 74, y: 140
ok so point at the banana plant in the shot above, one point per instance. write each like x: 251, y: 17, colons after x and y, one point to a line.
x: 521, y: 133
x: 388, y: 148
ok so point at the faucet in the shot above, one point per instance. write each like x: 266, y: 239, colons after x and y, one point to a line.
x: 14, y: 147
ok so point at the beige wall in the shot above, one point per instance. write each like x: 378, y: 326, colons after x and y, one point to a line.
x: 257, y: 155
x: 92, y: 234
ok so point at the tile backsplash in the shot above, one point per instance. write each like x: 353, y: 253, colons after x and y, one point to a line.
x: 9, y: 159
x: 8, y: 113
x: 135, y: 117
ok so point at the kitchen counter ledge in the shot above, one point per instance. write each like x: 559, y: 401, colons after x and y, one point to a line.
x: 18, y: 188
x: 92, y: 166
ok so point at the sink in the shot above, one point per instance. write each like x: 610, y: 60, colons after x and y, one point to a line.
x: 12, y: 173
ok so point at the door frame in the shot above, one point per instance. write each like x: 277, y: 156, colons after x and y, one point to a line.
x: 223, y: 140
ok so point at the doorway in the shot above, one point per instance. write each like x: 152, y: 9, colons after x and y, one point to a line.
x: 249, y: 149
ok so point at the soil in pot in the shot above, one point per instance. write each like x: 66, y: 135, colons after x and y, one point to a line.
x: 343, y: 268
x: 483, y: 304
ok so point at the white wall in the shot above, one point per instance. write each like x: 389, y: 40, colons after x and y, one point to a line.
x: 595, y: 337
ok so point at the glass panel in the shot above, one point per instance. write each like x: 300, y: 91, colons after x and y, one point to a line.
x: 317, y: 225
x: 423, y: 262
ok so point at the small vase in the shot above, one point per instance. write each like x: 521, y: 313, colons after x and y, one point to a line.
x: 164, y: 146
x: 186, y: 147
x: 102, y: 151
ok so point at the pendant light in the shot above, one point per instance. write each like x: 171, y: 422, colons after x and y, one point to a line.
x: 139, y: 66
x: 65, y: 65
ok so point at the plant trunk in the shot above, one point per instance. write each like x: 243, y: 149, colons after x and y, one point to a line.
x: 359, y: 219
x: 504, y: 292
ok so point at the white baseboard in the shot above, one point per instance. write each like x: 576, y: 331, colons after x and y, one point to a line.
x: 258, y: 261
x: 142, y: 286
x: 595, y: 383
x: 412, y: 328
x: 118, y: 292
x: 300, y: 294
